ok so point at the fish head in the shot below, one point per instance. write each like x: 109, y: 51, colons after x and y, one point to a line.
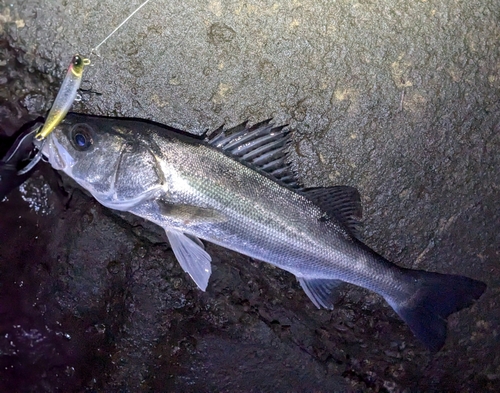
x: 105, y: 156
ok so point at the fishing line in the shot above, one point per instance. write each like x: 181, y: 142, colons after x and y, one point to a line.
x: 118, y: 27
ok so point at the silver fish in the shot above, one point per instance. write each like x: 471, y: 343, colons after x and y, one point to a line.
x: 236, y: 189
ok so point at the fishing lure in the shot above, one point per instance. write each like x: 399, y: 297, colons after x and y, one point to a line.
x: 70, y: 85
x: 65, y: 96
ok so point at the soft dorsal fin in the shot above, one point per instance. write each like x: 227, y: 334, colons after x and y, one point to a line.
x: 340, y: 202
x: 262, y: 146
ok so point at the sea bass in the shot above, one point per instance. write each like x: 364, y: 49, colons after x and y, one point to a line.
x: 235, y: 188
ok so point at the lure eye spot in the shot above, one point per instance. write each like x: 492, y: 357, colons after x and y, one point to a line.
x: 81, y: 137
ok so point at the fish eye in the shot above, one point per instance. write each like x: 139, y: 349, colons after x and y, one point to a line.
x: 81, y: 137
x: 77, y: 60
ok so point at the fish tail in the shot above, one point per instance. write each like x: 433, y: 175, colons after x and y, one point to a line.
x: 433, y: 298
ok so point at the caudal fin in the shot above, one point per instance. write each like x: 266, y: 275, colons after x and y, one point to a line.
x: 436, y: 296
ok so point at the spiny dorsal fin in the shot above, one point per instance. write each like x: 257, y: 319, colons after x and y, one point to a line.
x: 262, y: 146
x: 340, y: 202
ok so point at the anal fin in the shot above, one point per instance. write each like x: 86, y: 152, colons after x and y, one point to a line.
x: 320, y: 290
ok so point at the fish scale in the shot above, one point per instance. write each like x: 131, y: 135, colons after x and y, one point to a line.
x: 276, y: 224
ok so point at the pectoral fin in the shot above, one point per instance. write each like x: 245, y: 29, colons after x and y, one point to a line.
x: 189, y: 215
x: 192, y: 257
x: 320, y: 291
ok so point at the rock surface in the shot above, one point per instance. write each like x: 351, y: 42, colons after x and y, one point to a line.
x: 401, y: 100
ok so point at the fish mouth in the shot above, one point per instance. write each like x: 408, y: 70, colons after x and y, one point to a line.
x: 56, y: 153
